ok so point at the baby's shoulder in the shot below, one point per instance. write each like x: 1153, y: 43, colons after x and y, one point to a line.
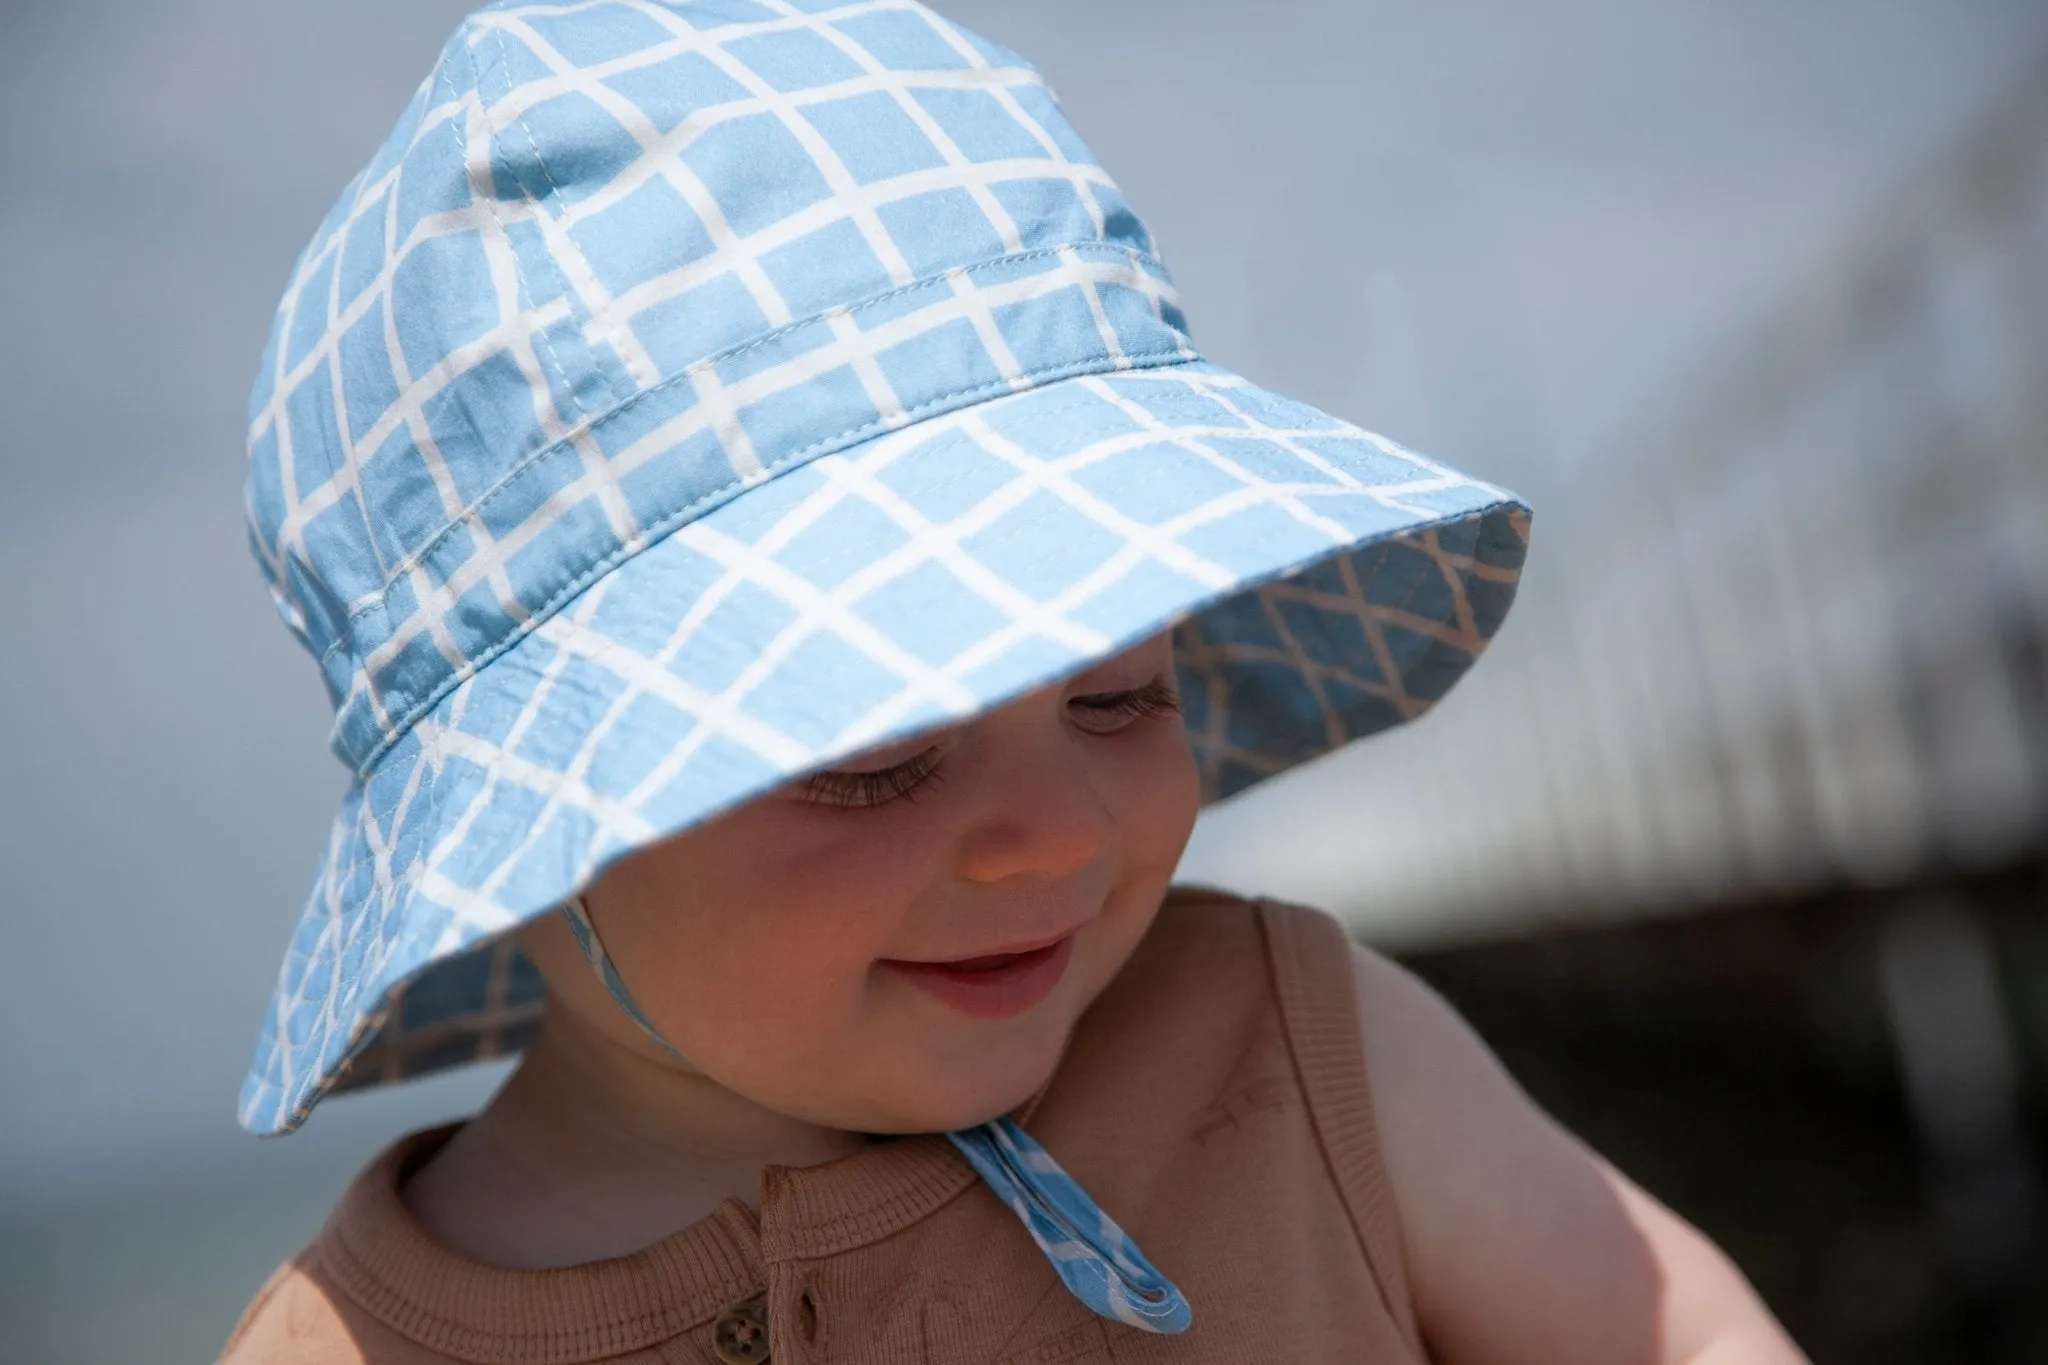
x: 295, y: 1318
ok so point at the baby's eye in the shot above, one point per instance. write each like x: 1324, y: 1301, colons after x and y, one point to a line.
x: 1104, y: 713
x: 873, y: 787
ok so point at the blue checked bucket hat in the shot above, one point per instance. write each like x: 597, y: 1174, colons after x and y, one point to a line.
x: 691, y: 395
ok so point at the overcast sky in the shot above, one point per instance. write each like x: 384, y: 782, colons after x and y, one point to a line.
x: 1492, y: 229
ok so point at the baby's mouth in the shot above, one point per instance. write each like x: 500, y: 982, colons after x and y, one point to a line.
x: 992, y: 986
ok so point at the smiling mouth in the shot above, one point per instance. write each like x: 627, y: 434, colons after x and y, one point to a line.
x: 995, y: 985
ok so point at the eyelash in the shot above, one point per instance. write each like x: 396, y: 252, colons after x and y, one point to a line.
x: 1155, y: 698
x: 905, y: 780
x: 876, y: 788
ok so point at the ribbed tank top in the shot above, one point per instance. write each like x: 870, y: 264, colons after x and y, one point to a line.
x: 1214, y: 1102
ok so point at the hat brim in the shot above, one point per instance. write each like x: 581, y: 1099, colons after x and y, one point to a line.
x: 1323, y: 583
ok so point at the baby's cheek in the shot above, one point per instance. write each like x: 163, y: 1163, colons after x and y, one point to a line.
x: 1157, y: 795
x: 818, y: 963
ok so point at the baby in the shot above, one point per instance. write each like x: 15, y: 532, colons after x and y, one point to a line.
x: 787, y: 583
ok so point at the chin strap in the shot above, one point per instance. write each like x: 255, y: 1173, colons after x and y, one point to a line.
x: 1097, y: 1261
x: 600, y: 962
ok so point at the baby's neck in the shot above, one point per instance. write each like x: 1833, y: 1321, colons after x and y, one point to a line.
x: 582, y: 1157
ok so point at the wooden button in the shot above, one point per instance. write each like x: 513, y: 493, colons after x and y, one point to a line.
x: 741, y: 1336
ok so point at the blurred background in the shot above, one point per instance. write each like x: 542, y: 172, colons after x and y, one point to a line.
x: 1737, y: 850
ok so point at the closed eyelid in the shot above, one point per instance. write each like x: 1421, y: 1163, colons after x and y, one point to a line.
x: 1158, y: 689
x: 862, y: 788
x: 1119, y: 710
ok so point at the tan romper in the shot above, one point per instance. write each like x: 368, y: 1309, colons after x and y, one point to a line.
x: 1213, y: 1101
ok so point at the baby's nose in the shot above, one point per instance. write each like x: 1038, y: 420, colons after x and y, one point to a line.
x: 1042, y: 826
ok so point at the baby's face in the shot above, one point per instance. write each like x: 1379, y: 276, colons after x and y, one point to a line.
x: 815, y: 951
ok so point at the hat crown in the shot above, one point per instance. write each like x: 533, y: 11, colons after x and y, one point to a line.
x: 620, y: 261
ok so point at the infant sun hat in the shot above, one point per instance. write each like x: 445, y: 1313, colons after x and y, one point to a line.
x: 691, y: 395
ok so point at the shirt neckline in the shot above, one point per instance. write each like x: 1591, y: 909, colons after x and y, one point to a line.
x: 395, y: 1270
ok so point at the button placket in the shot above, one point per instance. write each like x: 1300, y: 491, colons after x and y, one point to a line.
x: 740, y: 1336
x: 807, y: 1316
x: 795, y: 1311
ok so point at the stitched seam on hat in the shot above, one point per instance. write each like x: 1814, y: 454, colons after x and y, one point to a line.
x: 750, y: 520
x: 660, y: 528
x: 1184, y: 352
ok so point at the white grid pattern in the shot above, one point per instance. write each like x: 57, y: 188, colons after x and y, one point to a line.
x: 594, y: 570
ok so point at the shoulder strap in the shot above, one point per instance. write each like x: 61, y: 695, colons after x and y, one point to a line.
x: 1310, y: 955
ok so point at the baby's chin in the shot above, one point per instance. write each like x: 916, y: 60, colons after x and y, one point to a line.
x: 970, y: 1106
x: 942, y: 1094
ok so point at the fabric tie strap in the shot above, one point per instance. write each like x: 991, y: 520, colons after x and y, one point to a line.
x: 1096, y: 1260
